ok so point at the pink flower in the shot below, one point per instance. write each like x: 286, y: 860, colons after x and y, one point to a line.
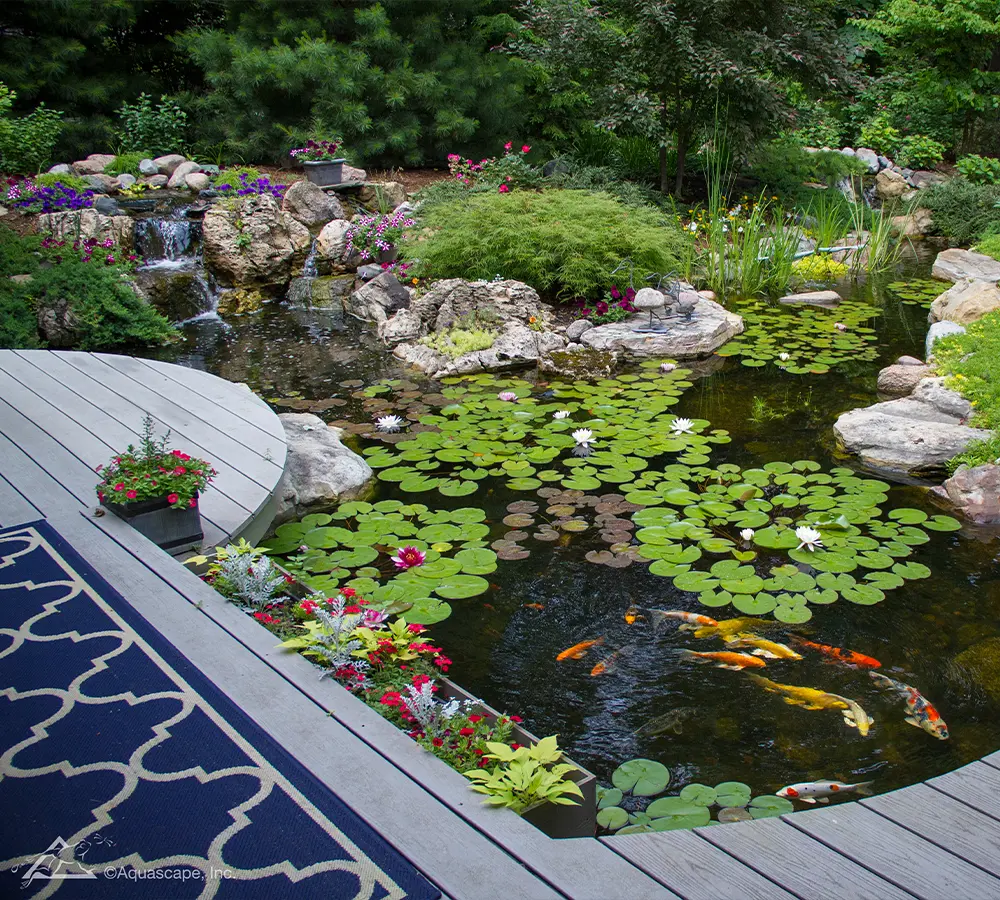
x: 120, y: 486
x: 526, y: 148
x: 508, y: 145
x: 131, y: 495
x: 172, y: 498
x: 504, y: 188
x: 408, y: 557
x: 192, y: 503
x: 415, y: 628
x: 507, y: 396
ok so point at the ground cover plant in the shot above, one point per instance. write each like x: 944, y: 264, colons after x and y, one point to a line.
x: 971, y: 364
x: 963, y: 211
x: 561, y: 242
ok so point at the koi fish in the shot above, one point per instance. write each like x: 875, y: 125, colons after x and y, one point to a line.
x: 767, y: 649
x: 632, y: 615
x: 579, y: 651
x: 809, y: 698
x: 609, y: 663
x: 822, y: 791
x: 919, y: 711
x: 534, y: 606
x: 671, y: 721
x: 836, y: 654
x: 726, y: 660
x: 855, y: 716
x: 689, y: 618
x: 728, y: 627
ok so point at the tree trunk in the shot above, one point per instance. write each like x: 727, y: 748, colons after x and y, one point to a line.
x: 664, y: 184
x: 682, y: 148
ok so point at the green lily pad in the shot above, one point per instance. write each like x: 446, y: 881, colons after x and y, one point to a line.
x: 643, y: 777
x: 770, y: 805
x: 732, y: 793
x: 698, y: 794
x: 459, y: 587
x: 612, y: 818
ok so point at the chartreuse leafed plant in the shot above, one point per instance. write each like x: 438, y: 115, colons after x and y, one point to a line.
x: 971, y: 362
x: 558, y: 241
x: 526, y: 776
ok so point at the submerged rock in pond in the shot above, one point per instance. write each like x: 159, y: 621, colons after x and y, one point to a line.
x: 709, y: 328
x: 974, y: 493
x: 981, y: 663
x: 957, y: 265
x: 586, y: 363
x: 968, y: 300
x: 915, y: 435
x: 828, y: 299
x: 320, y: 471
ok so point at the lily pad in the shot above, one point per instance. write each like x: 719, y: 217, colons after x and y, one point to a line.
x: 732, y: 793
x: 643, y: 777
x: 612, y: 818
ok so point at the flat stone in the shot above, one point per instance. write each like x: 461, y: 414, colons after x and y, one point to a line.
x: 900, y: 380
x: 320, y: 471
x: 974, y: 493
x: 955, y: 265
x: 916, y: 435
x: 156, y: 181
x: 709, y: 328
x: 939, y: 330
x: 909, y: 361
x: 812, y: 298
x: 965, y: 302
x: 166, y: 165
x: 577, y: 362
x: 923, y: 179
x: 350, y: 173
x: 575, y: 330
x: 106, y: 206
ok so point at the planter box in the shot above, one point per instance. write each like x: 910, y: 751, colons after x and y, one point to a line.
x: 173, y: 530
x: 325, y: 172
x: 387, y: 256
x: 579, y: 820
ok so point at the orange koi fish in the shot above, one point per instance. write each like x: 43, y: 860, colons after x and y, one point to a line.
x: 727, y: 660
x: 632, y: 615
x: 579, y: 651
x: 689, y: 618
x: 534, y: 606
x: 609, y: 663
x: 847, y: 657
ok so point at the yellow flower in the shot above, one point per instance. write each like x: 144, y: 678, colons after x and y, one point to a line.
x: 416, y: 281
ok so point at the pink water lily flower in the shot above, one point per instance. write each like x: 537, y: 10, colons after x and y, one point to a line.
x: 507, y: 396
x: 408, y: 557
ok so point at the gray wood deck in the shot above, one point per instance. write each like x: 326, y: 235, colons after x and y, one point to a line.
x: 61, y: 414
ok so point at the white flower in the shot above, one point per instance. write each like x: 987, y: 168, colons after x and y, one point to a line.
x: 747, y: 534
x: 388, y: 424
x: 667, y: 367
x: 561, y: 414
x: 809, y: 537
x: 507, y: 396
x: 840, y: 326
x: 681, y: 426
x: 583, y: 436
x: 784, y: 356
x: 740, y: 230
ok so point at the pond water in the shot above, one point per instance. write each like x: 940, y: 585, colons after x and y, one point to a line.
x: 720, y: 725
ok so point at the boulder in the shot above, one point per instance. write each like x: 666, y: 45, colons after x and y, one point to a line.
x: 253, y: 243
x: 308, y: 204
x: 577, y: 362
x: 368, y: 272
x: 106, y: 206
x: 937, y: 331
x: 88, y: 223
x: 320, y: 471
x: 915, y: 223
x: 955, y: 265
x: 156, y: 181
x: 890, y: 185
x: 575, y: 330
x: 826, y: 299
x: 869, y: 158
x: 403, y: 327
x: 884, y: 162
x: 350, y: 173
x: 847, y: 151
x: 981, y: 664
x: 846, y: 187
x: 148, y: 167
x: 58, y: 324
x: 966, y: 301
x: 378, y: 299
x: 102, y: 184
x: 555, y: 167
x: 708, y: 329
x: 899, y: 380
x: 126, y: 180
x: 331, y: 246
x: 327, y: 292
x: 196, y: 181
x: 95, y: 164
x: 179, y: 292
x: 916, y: 435
x: 974, y: 493
x: 909, y: 361
x: 921, y: 180
x: 385, y: 193
x: 455, y: 301
x: 166, y: 165
x: 61, y: 169
x: 181, y: 172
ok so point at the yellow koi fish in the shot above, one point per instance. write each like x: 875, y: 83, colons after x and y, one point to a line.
x: 809, y: 698
x: 855, y: 716
x: 728, y: 627
x: 763, y: 647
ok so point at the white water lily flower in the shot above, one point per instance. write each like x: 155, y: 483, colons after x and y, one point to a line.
x: 561, y: 414
x: 388, y: 424
x: 840, y: 326
x: 667, y: 367
x: 809, y: 538
x: 583, y: 436
x: 784, y: 356
x: 747, y: 534
x: 681, y: 426
x: 507, y: 396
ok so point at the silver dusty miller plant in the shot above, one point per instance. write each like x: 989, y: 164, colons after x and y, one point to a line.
x: 248, y: 579
x: 433, y: 715
x: 332, y: 641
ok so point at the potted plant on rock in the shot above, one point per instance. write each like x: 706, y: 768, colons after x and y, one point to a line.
x: 319, y: 158
x: 156, y: 491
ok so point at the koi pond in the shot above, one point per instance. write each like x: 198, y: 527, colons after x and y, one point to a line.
x: 553, y: 542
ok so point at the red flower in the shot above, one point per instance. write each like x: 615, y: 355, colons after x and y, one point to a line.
x: 290, y: 580
x: 465, y: 732
x: 475, y: 719
x: 192, y: 503
x: 515, y: 746
x: 172, y: 498
x: 416, y: 629
x: 131, y: 495
x: 352, y: 610
x: 526, y: 148
x: 120, y: 486
x: 504, y: 188
x: 517, y: 719
x: 179, y: 470
x: 478, y: 752
x: 437, y: 742
x: 308, y: 606
x: 419, y: 680
x: 483, y: 763
x: 347, y: 593
x: 391, y: 698
x: 508, y: 145
x: 442, y: 662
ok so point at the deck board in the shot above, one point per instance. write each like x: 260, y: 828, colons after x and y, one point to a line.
x: 14, y: 508
x: 976, y: 784
x: 944, y: 821
x: 900, y: 856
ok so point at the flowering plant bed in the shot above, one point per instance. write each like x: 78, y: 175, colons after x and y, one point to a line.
x: 156, y: 490
x: 374, y: 235
x: 317, y: 151
x: 394, y: 668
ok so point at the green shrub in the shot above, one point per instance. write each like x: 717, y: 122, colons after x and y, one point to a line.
x: 971, y: 362
x: 989, y: 245
x: 558, y: 241
x: 75, y: 182
x: 26, y: 143
x: 979, y: 169
x: 977, y: 453
x: 880, y: 136
x: 963, y: 211
x: 17, y: 319
x: 920, y: 152
x: 231, y: 177
x: 783, y: 165
x: 126, y: 163
x: 159, y: 129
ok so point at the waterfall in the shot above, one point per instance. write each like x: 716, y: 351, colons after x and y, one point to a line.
x: 309, y: 269
x: 158, y: 239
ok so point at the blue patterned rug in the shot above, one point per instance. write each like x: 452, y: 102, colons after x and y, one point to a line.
x: 125, y: 773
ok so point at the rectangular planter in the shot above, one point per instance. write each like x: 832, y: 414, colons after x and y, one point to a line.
x: 579, y: 820
x: 173, y: 530
x: 324, y: 173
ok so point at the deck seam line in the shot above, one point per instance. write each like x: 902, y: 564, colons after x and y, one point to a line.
x: 996, y: 818
x: 931, y: 840
x: 656, y: 878
x: 97, y: 437
x: 152, y: 388
x: 138, y: 405
x: 749, y: 865
x: 992, y: 765
x: 20, y: 493
x: 474, y: 826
